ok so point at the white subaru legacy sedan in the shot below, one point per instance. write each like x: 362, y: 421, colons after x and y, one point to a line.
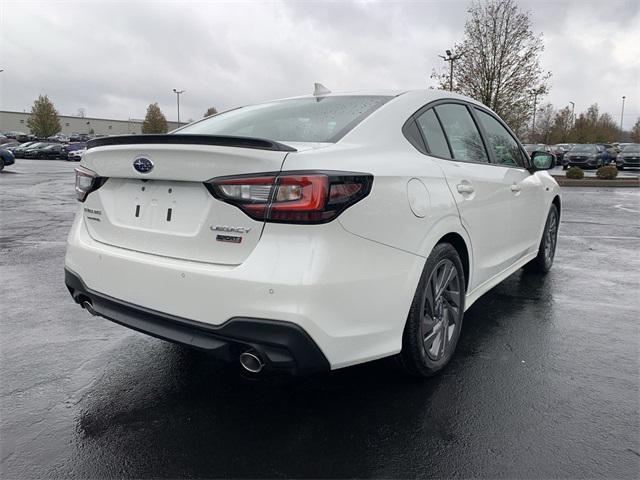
x: 312, y: 233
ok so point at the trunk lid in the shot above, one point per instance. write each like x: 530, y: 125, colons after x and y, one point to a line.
x: 168, y: 211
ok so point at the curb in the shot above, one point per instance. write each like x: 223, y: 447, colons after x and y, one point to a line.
x: 597, y: 182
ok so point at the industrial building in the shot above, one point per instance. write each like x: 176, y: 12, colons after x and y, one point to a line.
x: 17, y: 122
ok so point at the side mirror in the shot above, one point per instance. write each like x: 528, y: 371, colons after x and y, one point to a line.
x: 542, y: 161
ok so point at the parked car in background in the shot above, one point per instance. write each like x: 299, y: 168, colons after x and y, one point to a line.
x: 52, y: 151
x: 58, y: 137
x: 287, y: 239
x: 13, y: 134
x: 583, y: 155
x: 559, y: 150
x: 539, y: 147
x: 79, y: 137
x: 20, y: 150
x: 9, y: 144
x: 35, y: 151
x: 6, y: 158
x: 629, y: 156
x: 76, y: 155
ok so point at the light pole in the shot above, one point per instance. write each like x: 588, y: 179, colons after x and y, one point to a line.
x: 178, y: 92
x: 450, y: 58
x: 622, y: 115
x: 535, y: 92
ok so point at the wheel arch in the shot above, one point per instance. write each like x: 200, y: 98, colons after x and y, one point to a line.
x: 557, y: 202
x: 457, y: 242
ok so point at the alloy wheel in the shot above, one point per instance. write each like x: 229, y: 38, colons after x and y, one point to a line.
x: 551, y: 237
x: 440, y: 309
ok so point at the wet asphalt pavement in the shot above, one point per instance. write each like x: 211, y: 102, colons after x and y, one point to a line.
x: 545, y: 382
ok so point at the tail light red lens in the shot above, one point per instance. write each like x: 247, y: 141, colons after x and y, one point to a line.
x: 86, y: 182
x: 293, y: 197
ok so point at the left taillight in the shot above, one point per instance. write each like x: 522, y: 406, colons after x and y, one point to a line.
x: 86, y: 182
x: 293, y: 197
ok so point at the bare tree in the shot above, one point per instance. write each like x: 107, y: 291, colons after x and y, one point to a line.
x: 500, y: 61
x: 544, y: 124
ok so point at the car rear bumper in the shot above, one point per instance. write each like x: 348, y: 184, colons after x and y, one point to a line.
x: 281, y: 345
x: 350, y: 295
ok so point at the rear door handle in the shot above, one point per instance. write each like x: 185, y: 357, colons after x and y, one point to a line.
x: 515, y: 188
x: 465, y: 188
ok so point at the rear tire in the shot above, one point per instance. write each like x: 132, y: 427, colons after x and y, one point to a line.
x: 435, y: 318
x: 1, y: 164
x: 547, y: 250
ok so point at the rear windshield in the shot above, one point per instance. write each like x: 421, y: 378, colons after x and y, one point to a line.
x: 322, y: 119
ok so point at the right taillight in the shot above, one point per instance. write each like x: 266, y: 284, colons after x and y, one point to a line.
x: 293, y: 197
x: 86, y: 182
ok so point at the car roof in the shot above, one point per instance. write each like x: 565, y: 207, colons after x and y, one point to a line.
x: 424, y: 95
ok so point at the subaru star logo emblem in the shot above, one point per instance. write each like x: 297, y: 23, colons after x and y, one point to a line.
x: 143, y: 165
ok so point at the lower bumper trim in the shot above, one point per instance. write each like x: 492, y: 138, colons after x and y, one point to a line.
x: 282, y: 345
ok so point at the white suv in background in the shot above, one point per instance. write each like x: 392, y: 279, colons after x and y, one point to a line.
x: 312, y: 233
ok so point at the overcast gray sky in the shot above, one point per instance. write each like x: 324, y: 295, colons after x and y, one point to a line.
x: 114, y: 58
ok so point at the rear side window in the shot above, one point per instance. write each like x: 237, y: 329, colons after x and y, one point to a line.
x: 464, y: 138
x: 504, y: 146
x: 433, y: 134
x: 321, y: 119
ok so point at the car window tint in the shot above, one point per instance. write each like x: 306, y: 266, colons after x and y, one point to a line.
x: 433, y: 134
x: 462, y: 133
x: 504, y: 146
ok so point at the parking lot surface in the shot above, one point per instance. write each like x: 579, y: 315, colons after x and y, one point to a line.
x: 545, y: 382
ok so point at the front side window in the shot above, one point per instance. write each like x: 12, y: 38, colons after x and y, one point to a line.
x: 309, y: 119
x: 464, y: 138
x: 433, y: 134
x: 504, y: 146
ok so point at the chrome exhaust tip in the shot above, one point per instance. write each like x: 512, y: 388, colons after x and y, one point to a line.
x: 86, y: 304
x: 251, y: 362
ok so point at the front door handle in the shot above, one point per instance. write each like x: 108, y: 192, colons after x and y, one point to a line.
x: 465, y: 188
x: 515, y: 188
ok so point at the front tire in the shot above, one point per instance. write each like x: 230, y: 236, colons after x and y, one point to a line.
x: 435, y: 318
x: 547, y: 250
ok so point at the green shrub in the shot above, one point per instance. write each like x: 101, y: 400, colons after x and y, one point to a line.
x: 608, y: 172
x: 575, y: 173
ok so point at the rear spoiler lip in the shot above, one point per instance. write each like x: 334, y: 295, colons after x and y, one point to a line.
x: 187, y: 139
